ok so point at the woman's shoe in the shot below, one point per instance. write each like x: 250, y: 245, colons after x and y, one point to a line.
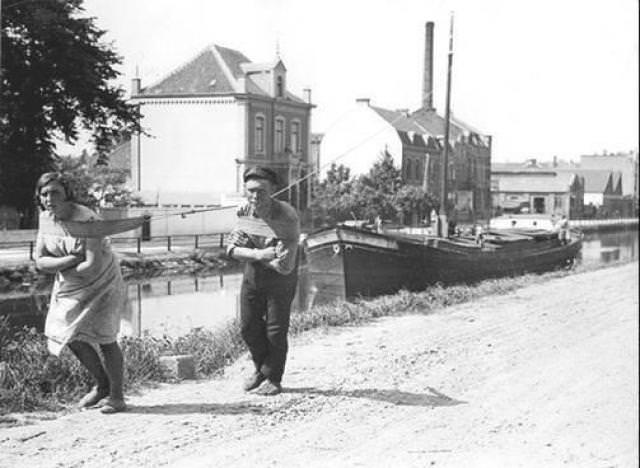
x: 112, y: 406
x: 93, y: 397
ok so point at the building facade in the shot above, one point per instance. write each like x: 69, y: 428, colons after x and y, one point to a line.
x: 211, y: 118
x: 530, y: 189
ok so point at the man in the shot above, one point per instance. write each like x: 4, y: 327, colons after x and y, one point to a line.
x: 266, y: 238
x: 563, y: 230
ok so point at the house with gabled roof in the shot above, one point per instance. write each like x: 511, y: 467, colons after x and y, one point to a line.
x: 627, y: 164
x: 603, y: 191
x: 415, y: 141
x: 212, y: 117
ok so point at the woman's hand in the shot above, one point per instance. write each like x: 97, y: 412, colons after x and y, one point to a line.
x: 50, y: 264
x: 91, y: 258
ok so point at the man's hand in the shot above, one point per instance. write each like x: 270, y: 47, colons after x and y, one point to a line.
x: 266, y: 255
x: 244, y: 209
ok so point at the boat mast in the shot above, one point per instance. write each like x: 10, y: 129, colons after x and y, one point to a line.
x: 443, y: 231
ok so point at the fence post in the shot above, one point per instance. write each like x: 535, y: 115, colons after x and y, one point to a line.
x: 221, y: 240
x: 30, y: 250
x: 196, y: 241
x: 138, y: 244
x: 169, y: 243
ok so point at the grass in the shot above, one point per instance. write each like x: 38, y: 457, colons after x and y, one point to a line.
x: 31, y: 379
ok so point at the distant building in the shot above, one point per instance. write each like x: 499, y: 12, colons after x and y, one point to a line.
x: 625, y: 163
x: 415, y: 141
x: 210, y: 119
x: 603, y: 195
x: 531, y: 188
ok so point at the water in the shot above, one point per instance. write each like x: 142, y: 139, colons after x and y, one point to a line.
x: 603, y: 247
x: 174, y: 305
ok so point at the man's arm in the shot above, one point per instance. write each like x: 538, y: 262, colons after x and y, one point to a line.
x: 241, y: 248
x: 287, y: 248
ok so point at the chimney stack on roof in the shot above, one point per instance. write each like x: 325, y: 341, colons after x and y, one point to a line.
x: 307, y: 95
x: 427, y: 79
x: 135, y: 86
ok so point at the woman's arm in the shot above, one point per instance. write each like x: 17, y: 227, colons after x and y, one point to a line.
x: 92, y: 257
x: 50, y: 264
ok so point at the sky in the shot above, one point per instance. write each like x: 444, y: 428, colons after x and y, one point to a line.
x: 545, y: 78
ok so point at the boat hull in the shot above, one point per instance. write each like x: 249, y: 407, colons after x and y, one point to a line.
x: 347, y: 262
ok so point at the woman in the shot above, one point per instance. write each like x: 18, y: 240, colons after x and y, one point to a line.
x: 88, y: 293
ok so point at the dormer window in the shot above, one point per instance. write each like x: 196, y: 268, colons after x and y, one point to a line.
x: 279, y: 87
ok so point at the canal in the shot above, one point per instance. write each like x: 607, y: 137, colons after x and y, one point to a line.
x: 174, y: 305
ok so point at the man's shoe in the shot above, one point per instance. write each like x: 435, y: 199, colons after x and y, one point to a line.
x: 253, y: 382
x: 269, y: 388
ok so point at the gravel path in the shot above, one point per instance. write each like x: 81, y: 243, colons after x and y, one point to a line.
x: 542, y: 377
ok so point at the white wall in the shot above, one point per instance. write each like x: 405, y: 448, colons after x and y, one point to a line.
x: 594, y: 198
x: 193, y: 146
x: 363, y: 132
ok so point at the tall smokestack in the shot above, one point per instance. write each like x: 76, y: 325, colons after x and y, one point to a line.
x: 427, y: 79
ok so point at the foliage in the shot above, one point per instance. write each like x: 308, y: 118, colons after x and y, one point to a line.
x: 332, y: 200
x: 412, y: 199
x: 55, y: 83
x: 381, y: 192
x: 97, y: 184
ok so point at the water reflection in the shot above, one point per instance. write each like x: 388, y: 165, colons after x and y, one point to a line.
x: 174, y: 305
x: 603, y: 247
x: 205, y: 302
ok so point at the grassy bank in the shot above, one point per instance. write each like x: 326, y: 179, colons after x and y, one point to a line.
x: 31, y: 379
x: 133, y: 266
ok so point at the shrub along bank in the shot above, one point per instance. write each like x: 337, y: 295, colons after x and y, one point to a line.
x: 31, y: 379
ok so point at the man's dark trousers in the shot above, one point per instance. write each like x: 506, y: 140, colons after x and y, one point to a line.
x: 265, y: 307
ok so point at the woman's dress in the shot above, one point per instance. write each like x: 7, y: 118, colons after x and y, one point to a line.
x: 83, y: 307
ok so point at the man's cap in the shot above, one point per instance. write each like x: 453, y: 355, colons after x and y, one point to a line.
x: 260, y: 173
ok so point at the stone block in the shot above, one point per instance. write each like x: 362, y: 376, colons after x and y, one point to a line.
x: 179, y: 367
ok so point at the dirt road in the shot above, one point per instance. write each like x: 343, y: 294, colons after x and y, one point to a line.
x: 543, y: 377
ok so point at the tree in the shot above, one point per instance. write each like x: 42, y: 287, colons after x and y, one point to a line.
x: 55, y: 83
x: 378, y: 188
x: 380, y: 192
x: 332, y: 197
x: 97, y: 185
x: 412, y: 200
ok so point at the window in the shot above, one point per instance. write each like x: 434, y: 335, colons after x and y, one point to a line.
x: 259, y: 136
x: 295, y: 136
x: 408, y: 169
x: 279, y: 143
x: 279, y: 87
x: 418, y: 176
